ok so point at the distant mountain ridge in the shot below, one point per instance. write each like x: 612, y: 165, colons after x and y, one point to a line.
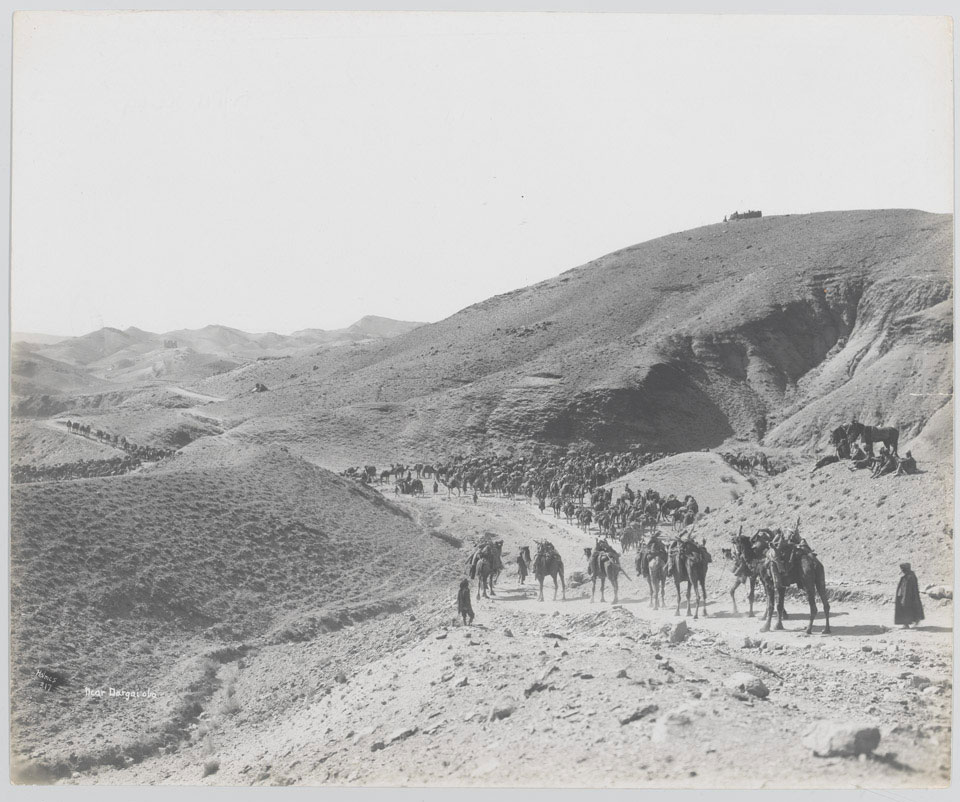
x: 45, y: 365
x: 213, y: 340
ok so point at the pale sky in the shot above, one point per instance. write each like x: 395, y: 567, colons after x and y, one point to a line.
x: 281, y: 171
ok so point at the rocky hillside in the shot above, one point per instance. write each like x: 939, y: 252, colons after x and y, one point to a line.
x: 773, y: 329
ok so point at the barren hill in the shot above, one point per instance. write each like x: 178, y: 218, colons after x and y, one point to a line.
x: 773, y: 329
x: 165, y: 574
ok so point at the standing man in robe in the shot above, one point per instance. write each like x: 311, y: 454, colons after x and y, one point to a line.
x: 907, y: 606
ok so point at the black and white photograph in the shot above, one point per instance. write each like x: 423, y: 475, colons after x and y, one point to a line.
x: 481, y: 400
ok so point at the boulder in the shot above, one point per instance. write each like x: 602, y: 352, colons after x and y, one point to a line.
x: 675, y: 633
x: 838, y: 739
x: 746, y: 683
x: 940, y: 592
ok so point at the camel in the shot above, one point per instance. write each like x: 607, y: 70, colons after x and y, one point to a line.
x: 747, y: 566
x: 584, y: 518
x: 667, y: 507
x: 651, y: 564
x: 488, y: 569
x: 603, y: 564
x: 548, y: 563
x: 788, y: 563
x: 688, y: 563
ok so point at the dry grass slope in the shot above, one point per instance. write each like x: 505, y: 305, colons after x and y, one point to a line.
x: 134, y: 582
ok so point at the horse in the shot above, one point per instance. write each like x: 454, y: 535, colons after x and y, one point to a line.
x: 548, y: 563
x: 888, y: 435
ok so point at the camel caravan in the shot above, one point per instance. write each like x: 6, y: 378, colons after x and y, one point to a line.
x: 749, y: 464
x: 82, y: 469
x: 142, y: 453
x: 660, y: 528
x: 855, y: 441
x: 134, y: 458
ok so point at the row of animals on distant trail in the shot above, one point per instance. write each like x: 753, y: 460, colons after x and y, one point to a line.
x: 752, y: 463
x: 143, y: 453
x: 846, y: 441
x: 573, y: 475
x: 84, y: 469
x: 570, y: 486
x: 775, y: 559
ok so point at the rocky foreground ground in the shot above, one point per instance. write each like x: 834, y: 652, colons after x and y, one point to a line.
x: 575, y: 693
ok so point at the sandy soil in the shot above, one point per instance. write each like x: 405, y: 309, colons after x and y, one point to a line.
x: 541, y: 694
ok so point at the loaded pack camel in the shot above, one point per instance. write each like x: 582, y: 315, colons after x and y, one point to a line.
x: 789, y: 561
x: 603, y: 563
x: 547, y: 562
x: 488, y: 567
x: 652, y: 565
x: 687, y: 562
x: 747, y: 557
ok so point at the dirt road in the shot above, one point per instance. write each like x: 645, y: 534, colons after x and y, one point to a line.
x: 570, y: 692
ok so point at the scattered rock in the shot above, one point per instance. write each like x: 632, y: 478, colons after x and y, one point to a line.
x: 639, y: 714
x: 401, y: 734
x: 536, y: 687
x: 503, y: 709
x: 441, y: 635
x: 747, y: 683
x: 376, y: 746
x: 940, y: 592
x: 919, y: 682
x: 508, y: 633
x: 553, y: 635
x: 676, y: 633
x: 866, y: 648
x: 548, y: 671
x: 211, y: 767
x: 835, y: 739
x: 462, y: 682
x: 622, y: 674
x: 340, y: 677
